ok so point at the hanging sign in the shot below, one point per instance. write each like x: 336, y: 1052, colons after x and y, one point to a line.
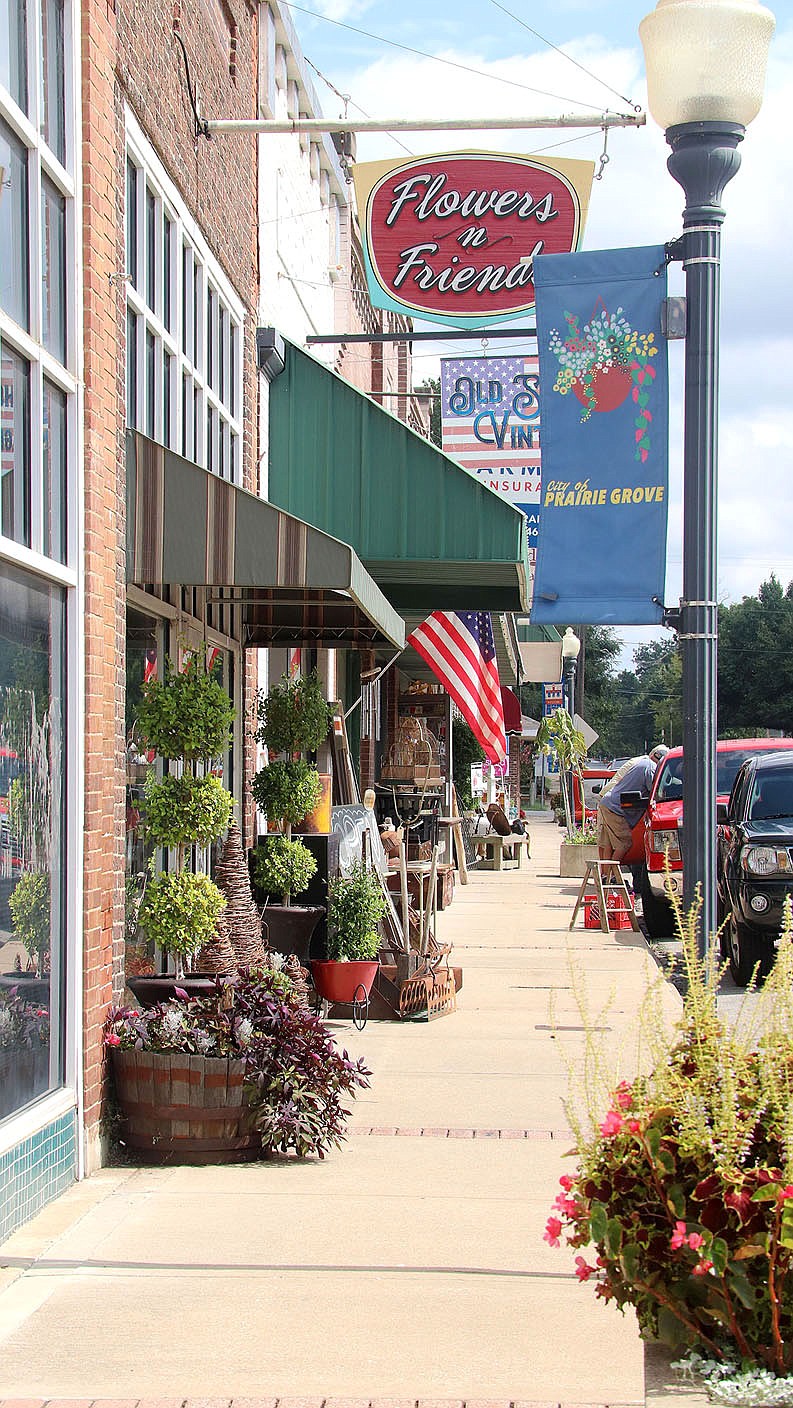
x: 452, y: 238
x: 490, y: 424
x: 604, y: 403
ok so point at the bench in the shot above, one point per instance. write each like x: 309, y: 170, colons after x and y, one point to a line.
x: 497, y: 856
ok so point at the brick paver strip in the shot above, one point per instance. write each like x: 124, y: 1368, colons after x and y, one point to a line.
x: 157, y: 1403
x: 347, y: 1402
x: 461, y: 1134
x: 22, y: 1402
x: 487, y: 1133
x: 251, y: 1403
x: 301, y: 1402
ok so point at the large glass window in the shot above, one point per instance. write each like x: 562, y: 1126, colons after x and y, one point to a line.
x: 53, y: 270
x: 14, y: 446
x: 53, y: 107
x: 184, y: 324
x: 31, y: 839
x: 14, y: 229
x: 13, y: 49
x: 54, y: 445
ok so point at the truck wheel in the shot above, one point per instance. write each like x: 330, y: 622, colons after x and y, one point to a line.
x: 748, y: 951
x: 658, y: 914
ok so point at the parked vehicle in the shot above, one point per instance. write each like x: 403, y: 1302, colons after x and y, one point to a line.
x: 755, y: 861
x: 594, y: 779
x: 659, y: 832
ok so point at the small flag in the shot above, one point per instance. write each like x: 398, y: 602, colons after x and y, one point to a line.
x: 459, y: 648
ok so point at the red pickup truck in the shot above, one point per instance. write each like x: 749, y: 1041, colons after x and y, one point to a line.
x: 660, y: 828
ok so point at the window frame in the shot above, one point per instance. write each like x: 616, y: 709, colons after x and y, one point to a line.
x: 202, y: 301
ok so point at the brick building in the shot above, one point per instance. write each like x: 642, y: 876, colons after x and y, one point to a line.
x: 136, y: 454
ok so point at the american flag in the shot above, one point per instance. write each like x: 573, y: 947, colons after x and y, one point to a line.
x: 497, y: 381
x: 459, y: 648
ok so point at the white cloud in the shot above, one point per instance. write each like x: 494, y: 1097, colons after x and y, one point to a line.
x: 638, y: 202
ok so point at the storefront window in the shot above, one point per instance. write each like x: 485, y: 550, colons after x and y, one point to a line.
x: 32, y: 968
x: 14, y: 447
x: 13, y: 50
x: 14, y: 229
x: 53, y: 270
x: 53, y: 107
x: 144, y: 662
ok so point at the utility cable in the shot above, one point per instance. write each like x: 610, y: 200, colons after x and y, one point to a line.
x: 350, y: 102
x: 636, y: 106
x: 421, y: 53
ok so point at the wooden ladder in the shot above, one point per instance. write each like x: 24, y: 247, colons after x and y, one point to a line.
x: 601, y: 879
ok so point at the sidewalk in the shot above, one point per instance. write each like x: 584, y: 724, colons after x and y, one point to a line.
x: 407, y: 1268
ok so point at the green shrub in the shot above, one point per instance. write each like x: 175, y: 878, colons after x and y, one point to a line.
x: 282, y: 867
x: 180, y: 811
x: 187, y: 714
x: 293, y: 716
x: 30, y: 911
x: 287, y: 791
x: 180, y: 912
x: 356, y: 905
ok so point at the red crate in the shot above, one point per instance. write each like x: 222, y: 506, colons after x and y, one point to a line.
x: 618, y: 915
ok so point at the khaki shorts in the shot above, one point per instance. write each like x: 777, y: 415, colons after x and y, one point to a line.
x: 614, y: 832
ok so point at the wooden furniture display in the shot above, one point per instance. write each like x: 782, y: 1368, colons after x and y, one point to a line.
x: 499, y: 857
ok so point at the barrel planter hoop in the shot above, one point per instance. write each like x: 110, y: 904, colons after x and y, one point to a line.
x: 178, y: 1108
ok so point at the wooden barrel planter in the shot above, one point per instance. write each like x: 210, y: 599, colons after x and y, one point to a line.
x: 180, y: 1109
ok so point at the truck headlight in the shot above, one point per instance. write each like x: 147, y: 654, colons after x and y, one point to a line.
x: 664, y: 841
x: 764, y: 860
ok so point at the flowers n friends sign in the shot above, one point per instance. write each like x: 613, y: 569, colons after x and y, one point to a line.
x: 452, y: 238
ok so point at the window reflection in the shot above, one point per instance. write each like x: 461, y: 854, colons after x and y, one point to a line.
x: 14, y: 229
x: 14, y: 447
x: 13, y: 50
x: 31, y: 839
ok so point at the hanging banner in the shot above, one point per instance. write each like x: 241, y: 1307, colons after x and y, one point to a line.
x: 604, y: 400
x: 490, y: 424
x: 452, y: 238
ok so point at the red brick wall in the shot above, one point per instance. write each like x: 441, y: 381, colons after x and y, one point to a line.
x: 129, y: 53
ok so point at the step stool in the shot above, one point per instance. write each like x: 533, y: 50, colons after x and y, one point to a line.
x: 604, y: 885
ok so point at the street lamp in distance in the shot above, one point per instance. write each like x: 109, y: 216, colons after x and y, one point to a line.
x: 706, y: 63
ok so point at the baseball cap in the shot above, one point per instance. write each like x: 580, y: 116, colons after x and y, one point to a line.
x: 658, y: 752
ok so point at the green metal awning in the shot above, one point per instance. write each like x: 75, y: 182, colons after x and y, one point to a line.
x: 293, y: 583
x: 431, y: 535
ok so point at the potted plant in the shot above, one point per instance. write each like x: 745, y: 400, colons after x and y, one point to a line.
x: 257, y: 1067
x: 356, y: 905
x: 187, y: 719
x: 684, y: 1181
x: 557, y: 734
x: 293, y: 719
x: 29, y: 904
x: 24, y: 1050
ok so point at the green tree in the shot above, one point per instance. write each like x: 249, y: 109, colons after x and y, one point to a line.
x: 755, y: 680
x: 432, y: 388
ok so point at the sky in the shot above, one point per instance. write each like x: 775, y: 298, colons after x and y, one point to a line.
x: 636, y: 202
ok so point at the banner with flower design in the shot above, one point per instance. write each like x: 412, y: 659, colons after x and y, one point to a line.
x: 604, y: 398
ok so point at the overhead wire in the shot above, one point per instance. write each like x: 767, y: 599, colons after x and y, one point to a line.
x: 563, y: 52
x: 434, y: 58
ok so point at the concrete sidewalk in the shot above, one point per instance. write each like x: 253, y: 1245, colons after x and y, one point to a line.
x: 407, y: 1268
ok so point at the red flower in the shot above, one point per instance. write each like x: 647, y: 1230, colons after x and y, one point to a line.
x: 785, y: 1193
x: 567, y: 1206
x: 702, y: 1268
x: 612, y: 1124
x: 112, y: 1039
x: 553, y: 1230
x: 678, y: 1237
x: 566, y: 1182
x: 695, y: 1241
x: 582, y: 1269
x: 634, y: 1126
x: 623, y: 1095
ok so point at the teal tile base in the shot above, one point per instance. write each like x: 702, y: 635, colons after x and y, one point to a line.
x: 37, y: 1170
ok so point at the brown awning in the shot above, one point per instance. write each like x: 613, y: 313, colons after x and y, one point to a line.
x: 293, y: 583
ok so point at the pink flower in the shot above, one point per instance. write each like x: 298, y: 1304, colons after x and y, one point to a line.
x: 678, y: 1237
x: 553, y: 1230
x: 112, y: 1039
x: 582, y: 1270
x: 634, y: 1126
x: 567, y: 1206
x: 786, y: 1193
x: 702, y: 1268
x: 566, y: 1182
x: 695, y: 1241
x: 624, y: 1095
x: 612, y: 1124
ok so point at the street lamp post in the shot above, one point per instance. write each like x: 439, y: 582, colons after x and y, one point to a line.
x: 571, y: 647
x: 706, y: 62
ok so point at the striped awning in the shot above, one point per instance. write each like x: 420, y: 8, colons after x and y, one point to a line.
x: 294, y: 584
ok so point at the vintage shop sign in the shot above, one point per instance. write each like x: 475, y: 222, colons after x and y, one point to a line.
x: 490, y: 424
x: 452, y: 238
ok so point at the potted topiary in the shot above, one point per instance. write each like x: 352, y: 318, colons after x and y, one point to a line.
x: 356, y: 905
x: 187, y: 719
x: 293, y: 719
x: 29, y: 904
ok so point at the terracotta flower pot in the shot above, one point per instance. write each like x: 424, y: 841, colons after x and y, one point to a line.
x: 340, y: 982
